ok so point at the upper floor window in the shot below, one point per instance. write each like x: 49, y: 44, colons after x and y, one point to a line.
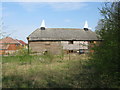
x: 70, y: 42
x: 91, y: 41
x: 17, y: 45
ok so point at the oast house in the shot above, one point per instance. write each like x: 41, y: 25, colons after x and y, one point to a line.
x: 57, y: 40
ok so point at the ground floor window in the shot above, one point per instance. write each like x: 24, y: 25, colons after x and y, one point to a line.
x: 70, y: 51
x: 81, y: 51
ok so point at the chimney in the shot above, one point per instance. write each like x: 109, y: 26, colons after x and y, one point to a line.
x: 86, y: 26
x: 42, y: 27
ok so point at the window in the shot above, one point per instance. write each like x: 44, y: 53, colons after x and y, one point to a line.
x: 70, y: 42
x: 47, y: 44
x: 91, y: 41
x: 81, y: 51
x: 17, y: 45
x: 70, y: 51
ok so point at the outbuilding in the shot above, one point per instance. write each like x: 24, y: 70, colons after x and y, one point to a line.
x: 56, y: 40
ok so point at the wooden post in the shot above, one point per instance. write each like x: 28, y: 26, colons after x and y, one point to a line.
x: 28, y: 48
x: 28, y: 45
x: 62, y: 53
x: 69, y: 54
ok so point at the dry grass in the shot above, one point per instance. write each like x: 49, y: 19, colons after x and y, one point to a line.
x: 42, y: 71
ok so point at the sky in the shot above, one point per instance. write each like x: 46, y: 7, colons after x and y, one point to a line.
x: 20, y: 19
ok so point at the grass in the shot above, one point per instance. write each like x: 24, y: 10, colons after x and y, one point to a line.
x: 45, y: 71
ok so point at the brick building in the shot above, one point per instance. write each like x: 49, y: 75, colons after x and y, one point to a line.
x: 9, y: 45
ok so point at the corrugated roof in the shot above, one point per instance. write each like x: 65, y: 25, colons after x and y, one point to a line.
x: 62, y: 34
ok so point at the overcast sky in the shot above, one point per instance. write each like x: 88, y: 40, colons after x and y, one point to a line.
x: 20, y: 19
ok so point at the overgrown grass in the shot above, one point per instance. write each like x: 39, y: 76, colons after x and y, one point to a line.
x: 45, y: 71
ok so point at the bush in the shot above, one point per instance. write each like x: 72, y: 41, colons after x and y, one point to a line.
x: 48, y: 58
x: 22, y: 52
x: 106, y: 59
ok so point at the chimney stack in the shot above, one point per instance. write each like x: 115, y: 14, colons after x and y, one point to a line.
x: 42, y: 27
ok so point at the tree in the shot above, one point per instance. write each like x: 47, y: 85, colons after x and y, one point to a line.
x: 106, y: 59
x: 3, y: 34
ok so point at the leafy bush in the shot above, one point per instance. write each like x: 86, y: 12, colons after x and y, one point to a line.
x: 106, y: 59
x: 21, y: 52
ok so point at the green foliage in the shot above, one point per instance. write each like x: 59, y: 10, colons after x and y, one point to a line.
x: 106, y: 59
x: 42, y: 74
x: 22, y: 52
x: 47, y: 58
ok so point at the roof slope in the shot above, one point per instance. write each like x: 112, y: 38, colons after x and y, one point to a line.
x: 9, y: 40
x: 9, y: 43
x: 21, y: 42
x: 62, y: 34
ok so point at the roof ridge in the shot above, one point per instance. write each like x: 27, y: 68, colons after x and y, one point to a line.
x: 63, y: 28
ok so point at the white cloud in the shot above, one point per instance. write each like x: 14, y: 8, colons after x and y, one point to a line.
x: 67, y: 20
x: 31, y: 6
x: 67, y: 6
x: 64, y: 6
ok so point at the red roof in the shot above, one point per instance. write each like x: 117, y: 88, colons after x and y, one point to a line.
x: 9, y: 40
x: 22, y: 42
x: 10, y: 43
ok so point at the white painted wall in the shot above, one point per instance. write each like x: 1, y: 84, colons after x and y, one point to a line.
x: 75, y: 46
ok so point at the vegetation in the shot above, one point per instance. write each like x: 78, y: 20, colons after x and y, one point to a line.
x: 42, y: 71
x: 99, y: 70
x: 106, y: 59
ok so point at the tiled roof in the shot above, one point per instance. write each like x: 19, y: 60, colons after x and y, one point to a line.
x: 62, y: 34
x: 22, y: 42
x: 10, y: 43
x: 9, y: 40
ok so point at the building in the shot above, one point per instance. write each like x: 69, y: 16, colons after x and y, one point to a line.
x: 56, y: 40
x: 22, y: 43
x: 9, y: 45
